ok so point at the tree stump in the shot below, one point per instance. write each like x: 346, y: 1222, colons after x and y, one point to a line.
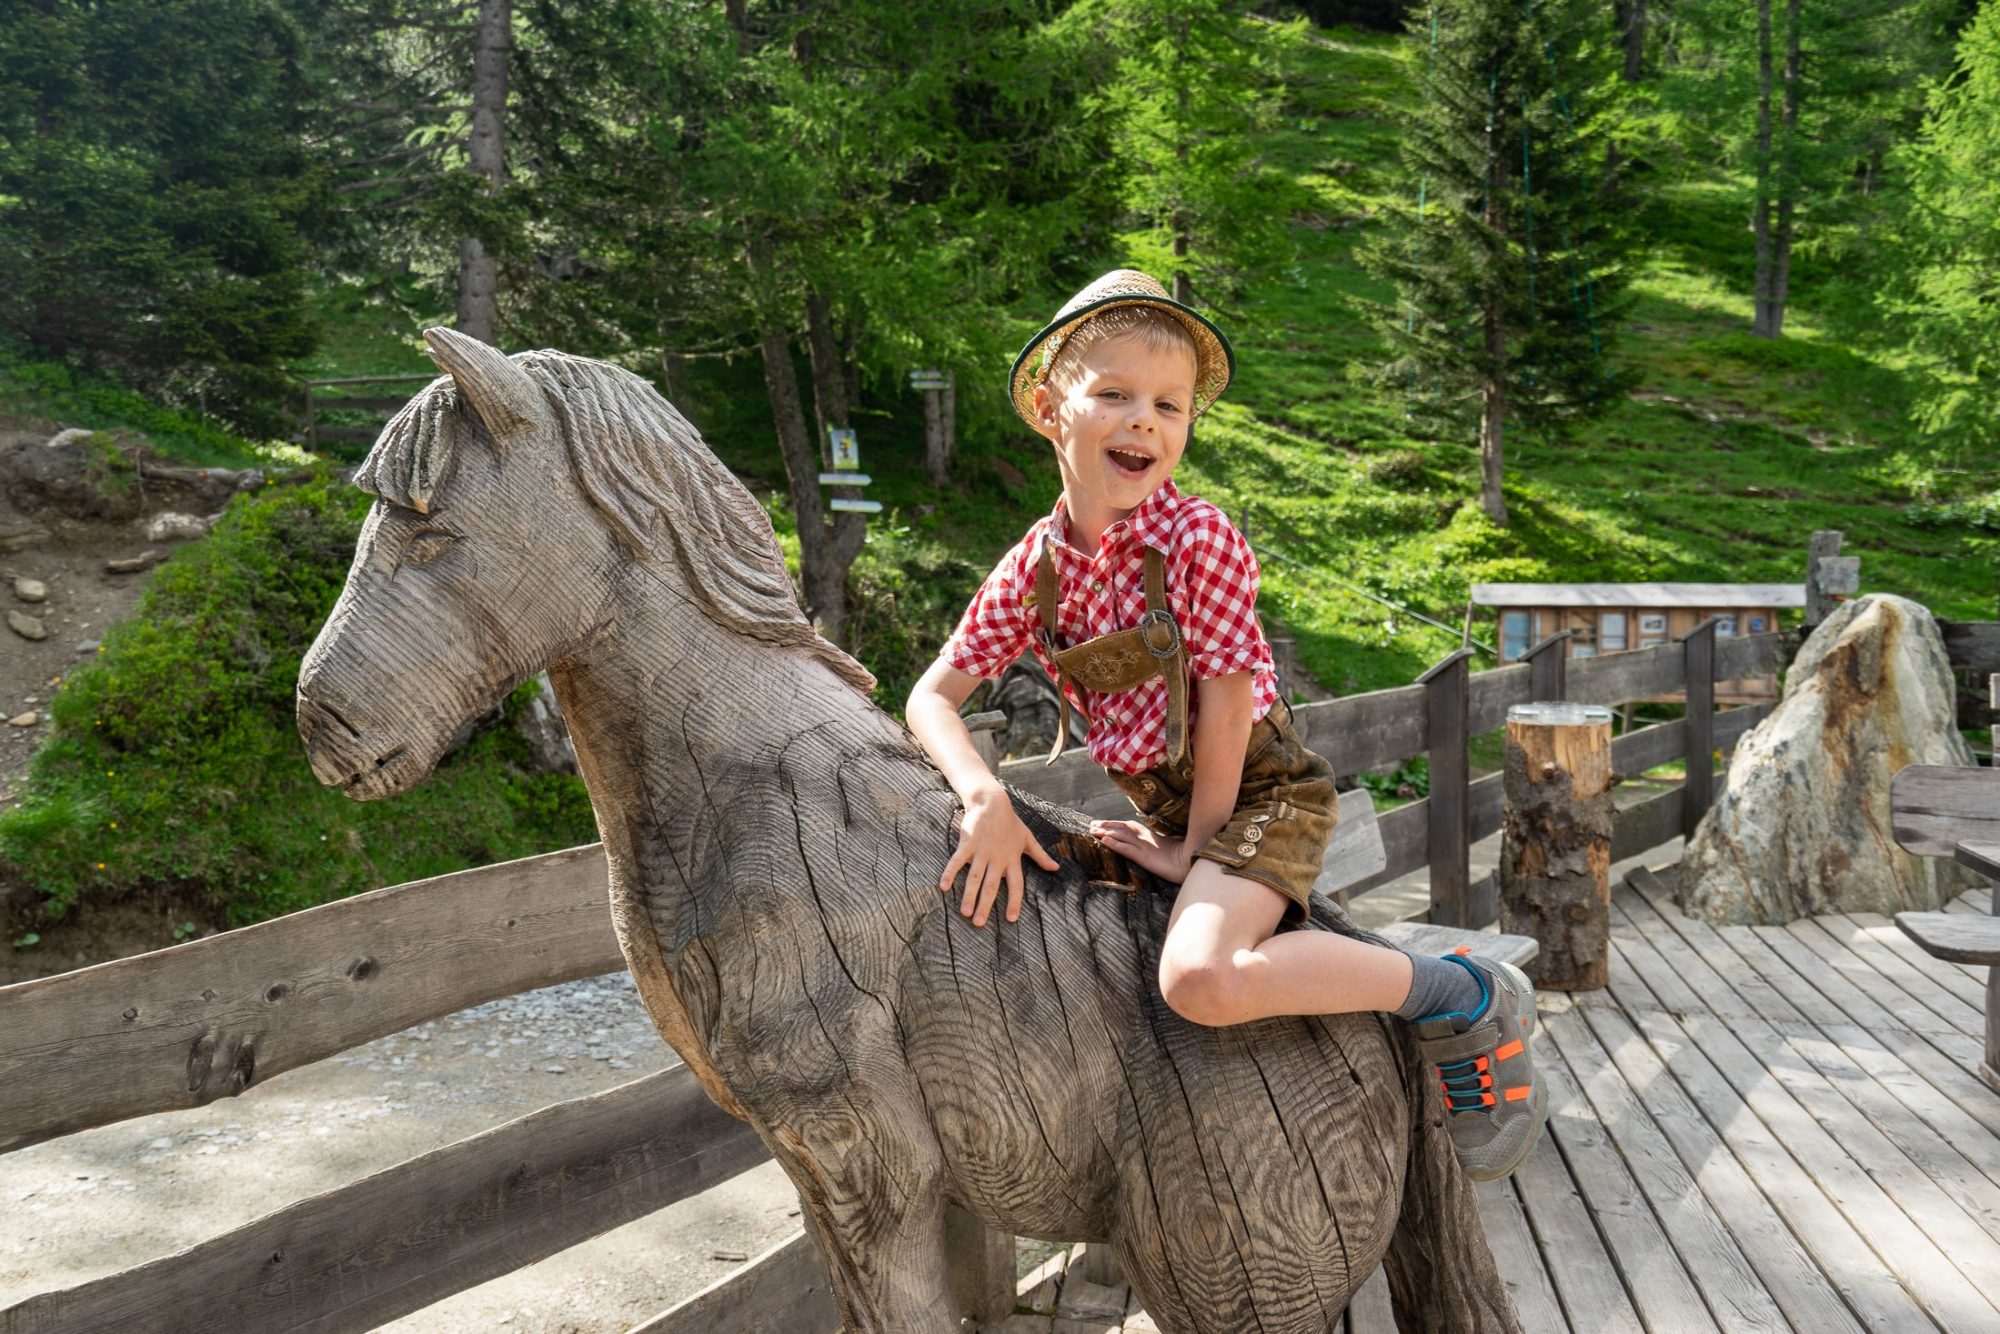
x: 1555, y: 857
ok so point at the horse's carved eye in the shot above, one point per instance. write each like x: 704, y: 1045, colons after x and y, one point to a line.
x: 425, y: 546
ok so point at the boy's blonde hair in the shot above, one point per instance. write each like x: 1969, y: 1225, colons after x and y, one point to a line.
x: 1154, y: 328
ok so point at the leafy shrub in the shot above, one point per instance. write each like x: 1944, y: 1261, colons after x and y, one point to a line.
x: 905, y: 596
x: 1398, y: 468
x: 1981, y: 512
x: 175, y: 759
x: 1411, y: 781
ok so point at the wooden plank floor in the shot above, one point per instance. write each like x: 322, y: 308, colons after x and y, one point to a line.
x: 1755, y: 1128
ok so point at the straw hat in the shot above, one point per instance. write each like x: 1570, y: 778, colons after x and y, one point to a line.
x: 1214, y: 362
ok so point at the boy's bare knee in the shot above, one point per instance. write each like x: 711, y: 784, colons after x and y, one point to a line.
x: 1206, y: 990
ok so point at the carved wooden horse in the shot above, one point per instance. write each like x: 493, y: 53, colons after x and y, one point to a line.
x: 774, y: 843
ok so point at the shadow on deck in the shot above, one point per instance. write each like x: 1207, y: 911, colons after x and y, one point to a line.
x: 1756, y: 1128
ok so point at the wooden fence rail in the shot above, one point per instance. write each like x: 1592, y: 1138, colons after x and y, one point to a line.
x: 365, y: 1253
x: 183, y: 1026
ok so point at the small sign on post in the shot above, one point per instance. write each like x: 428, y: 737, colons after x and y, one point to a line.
x: 1555, y: 850
x: 843, y: 450
x: 844, y: 456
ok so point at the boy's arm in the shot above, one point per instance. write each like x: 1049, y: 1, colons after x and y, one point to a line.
x: 932, y: 714
x: 1221, y: 735
x: 992, y: 839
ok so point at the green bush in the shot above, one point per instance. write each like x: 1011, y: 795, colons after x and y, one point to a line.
x: 175, y: 760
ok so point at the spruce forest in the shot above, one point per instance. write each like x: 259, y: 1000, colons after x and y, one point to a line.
x: 1536, y: 290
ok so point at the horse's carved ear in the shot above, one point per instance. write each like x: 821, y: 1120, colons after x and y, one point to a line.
x: 506, y: 400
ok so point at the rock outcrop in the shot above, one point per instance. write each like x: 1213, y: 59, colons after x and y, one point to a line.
x: 1801, y: 823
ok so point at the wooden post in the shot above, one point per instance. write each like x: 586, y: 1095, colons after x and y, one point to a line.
x: 1819, y: 602
x: 979, y: 1264
x: 986, y: 728
x: 1448, y: 847
x: 940, y: 419
x: 1550, y: 671
x: 934, y: 448
x: 1555, y: 855
x: 948, y: 403
x: 1699, y: 729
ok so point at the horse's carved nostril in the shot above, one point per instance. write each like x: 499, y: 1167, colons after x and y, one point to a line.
x: 353, y: 733
x: 316, y: 709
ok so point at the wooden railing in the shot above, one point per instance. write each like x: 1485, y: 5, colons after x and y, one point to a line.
x: 374, y: 398
x: 209, y: 1019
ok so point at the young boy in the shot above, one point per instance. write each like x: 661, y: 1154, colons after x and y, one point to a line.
x: 1133, y: 589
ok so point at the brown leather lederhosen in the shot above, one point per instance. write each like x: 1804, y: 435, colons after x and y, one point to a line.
x: 1122, y: 659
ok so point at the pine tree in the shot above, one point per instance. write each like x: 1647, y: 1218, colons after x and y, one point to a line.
x: 1191, y: 86
x: 1508, y: 254
x: 1804, y: 101
x: 153, y: 186
x: 836, y: 188
x: 1946, y: 300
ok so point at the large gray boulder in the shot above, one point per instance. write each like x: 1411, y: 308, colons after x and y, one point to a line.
x: 1801, y: 825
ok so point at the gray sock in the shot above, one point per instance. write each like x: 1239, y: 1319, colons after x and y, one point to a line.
x: 1442, y: 985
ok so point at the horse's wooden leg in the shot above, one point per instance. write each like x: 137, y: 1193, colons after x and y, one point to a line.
x: 873, y: 1199
x: 1442, y: 1279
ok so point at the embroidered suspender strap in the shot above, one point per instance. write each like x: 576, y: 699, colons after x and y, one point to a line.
x: 1163, y: 640
x: 1122, y: 659
x: 1047, y: 595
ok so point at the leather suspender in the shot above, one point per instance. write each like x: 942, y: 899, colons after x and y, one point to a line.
x: 1122, y: 659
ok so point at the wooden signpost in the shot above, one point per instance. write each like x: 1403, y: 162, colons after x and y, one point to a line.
x: 940, y: 391
x: 1555, y: 855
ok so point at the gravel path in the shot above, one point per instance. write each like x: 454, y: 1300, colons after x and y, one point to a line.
x: 93, y: 1203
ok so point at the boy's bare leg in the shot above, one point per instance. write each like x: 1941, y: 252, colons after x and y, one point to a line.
x: 1220, y: 964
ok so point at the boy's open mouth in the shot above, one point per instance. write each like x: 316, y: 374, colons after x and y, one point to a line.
x: 1129, y: 462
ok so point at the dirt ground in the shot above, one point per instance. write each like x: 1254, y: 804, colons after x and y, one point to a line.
x: 68, y: 556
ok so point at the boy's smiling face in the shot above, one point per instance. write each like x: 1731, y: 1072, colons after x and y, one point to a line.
x: 1118, y: 415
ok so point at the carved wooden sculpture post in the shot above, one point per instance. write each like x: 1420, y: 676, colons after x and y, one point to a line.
x: 1555, y: 857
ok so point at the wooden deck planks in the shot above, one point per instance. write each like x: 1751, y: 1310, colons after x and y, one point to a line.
x: 1518, y: 1258
x: 1788, y: 1273
x: 1653, y: 1273
x: 1883, y: 1192
x: 1709, y: 1258
x: 1946, y: 1015
x: 1965, y: 981
x: 1582, y: 1272
x: 1838, y: 1242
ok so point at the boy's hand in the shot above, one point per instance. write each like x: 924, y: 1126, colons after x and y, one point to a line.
x: 1166, y: 857
x: 991, y: 842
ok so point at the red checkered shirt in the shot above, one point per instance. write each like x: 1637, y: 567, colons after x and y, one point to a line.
x: 1211, y: 589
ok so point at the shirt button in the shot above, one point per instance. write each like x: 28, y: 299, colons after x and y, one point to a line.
x: 1097, y: 585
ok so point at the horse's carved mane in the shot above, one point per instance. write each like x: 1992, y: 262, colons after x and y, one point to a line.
x: 645, y: 468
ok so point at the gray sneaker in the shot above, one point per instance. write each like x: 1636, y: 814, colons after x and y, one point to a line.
x: 1495, y: 1107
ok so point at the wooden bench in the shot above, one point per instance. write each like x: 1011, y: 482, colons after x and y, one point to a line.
x: 1943, y: 811
x: 1356, y: 852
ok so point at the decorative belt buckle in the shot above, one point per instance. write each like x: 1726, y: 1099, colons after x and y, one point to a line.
x: 1160, y: 618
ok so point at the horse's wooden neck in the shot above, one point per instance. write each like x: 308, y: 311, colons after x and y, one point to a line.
x: 670, y: 713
